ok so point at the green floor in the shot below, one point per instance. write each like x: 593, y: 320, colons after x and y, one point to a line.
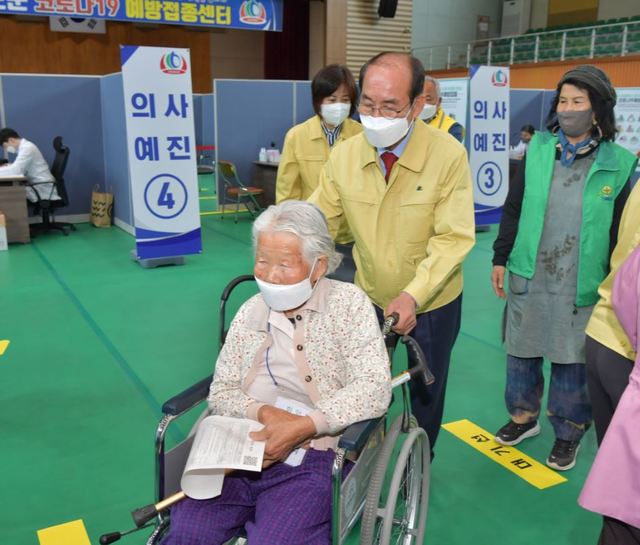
x: 97, y: 343
x: 207, y: 193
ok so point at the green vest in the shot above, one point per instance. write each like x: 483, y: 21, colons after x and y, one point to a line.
x: 609, y: 173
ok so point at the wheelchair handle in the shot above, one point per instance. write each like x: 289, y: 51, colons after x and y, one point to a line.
x: 222, y: 334
x: 421, y: 368
x: 144, y: 514
x: 389, y: 322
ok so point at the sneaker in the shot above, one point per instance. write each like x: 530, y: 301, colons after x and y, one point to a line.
x: 563, y: 454
x: 511, y: 433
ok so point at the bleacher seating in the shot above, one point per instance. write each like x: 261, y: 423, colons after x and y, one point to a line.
x: 607, y: 38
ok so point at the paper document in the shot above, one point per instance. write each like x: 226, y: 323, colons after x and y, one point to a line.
x: 300, y: 409
x: 220, y: 443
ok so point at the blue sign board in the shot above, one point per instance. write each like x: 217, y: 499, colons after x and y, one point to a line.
x: 488, y: 140
x: 244, y: 14
x: 160, y: 142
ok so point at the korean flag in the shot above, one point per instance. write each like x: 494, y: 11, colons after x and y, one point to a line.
x: 77, y: 24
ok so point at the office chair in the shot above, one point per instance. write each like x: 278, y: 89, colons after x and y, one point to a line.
x: 47, y: 207
x: 236, y: 192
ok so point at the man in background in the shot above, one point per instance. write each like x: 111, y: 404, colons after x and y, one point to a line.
x: 30, y: 163
x: 433, y: 114
x: 526, y: 134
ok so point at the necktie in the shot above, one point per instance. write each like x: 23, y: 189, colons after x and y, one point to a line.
x: 389, y: 160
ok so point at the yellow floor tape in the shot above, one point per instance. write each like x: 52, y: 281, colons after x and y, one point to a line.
x: 3, y: 346
x: 69, y: 533
x: 514, y: 460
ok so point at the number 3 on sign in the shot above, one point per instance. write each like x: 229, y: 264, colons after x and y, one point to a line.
x: 489, y: 173
x: 165, y: 196
x: 489, y: 178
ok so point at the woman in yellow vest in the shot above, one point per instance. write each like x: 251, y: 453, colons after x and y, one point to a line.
x: 307, y: 145
x: 610, y: 358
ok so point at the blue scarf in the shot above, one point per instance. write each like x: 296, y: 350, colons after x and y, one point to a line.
x: 569, y: 151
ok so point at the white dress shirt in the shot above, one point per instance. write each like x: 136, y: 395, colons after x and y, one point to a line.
x: 518, y: 151
x: 30, y: 163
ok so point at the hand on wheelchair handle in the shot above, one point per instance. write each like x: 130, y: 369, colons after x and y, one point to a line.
x: 404, y: 305
x: 389, y: 322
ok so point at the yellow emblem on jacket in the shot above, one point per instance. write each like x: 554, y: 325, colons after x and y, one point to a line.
x: 606, y: 192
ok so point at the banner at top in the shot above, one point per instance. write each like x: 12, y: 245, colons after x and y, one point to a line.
x: 244, y: 14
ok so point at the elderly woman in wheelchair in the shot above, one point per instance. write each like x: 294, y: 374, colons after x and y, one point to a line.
x: 306, y: 341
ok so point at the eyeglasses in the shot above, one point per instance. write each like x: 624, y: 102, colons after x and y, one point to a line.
x: 385, y: 111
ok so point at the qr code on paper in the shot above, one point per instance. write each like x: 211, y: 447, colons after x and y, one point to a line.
x: 250, y: 460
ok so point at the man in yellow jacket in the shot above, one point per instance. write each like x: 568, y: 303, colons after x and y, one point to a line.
x: 405, y: 191
x: 433, y: 114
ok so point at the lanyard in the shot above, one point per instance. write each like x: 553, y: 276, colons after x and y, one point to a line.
x: 275, y: 382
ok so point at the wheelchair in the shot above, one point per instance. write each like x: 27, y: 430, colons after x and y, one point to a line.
x: 387, y: 489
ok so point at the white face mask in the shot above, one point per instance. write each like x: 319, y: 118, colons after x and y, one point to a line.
x: 334, y: 114
x: 11, y: 149
x: 381, y: 132
x: 428, y: 111
x: 283, y: 297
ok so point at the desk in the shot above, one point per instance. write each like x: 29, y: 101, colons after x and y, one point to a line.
x: 13, y: 204
x: 265, y: 178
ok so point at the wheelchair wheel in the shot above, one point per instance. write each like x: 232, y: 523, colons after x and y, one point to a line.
x: 398, y: 515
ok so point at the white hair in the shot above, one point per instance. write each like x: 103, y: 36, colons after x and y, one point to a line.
x: 435, y: 82
x: 305, y: 221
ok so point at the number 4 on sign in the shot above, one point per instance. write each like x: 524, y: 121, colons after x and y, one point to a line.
x: 166, y: 197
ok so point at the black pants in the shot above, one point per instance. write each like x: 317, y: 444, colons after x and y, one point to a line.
x: 615, y: 532
x: 607, y: 377
x: 436, y: 332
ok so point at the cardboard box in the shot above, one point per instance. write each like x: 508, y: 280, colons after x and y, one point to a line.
x: 3, y: 232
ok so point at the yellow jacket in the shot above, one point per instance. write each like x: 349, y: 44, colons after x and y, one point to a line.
x: 413, y: 233
x: 445, y: 122
x: 603, y: 325
x: 305, y: 152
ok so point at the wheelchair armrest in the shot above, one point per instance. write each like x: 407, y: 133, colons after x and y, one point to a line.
x: 356, y: 435
x: 188, y: 398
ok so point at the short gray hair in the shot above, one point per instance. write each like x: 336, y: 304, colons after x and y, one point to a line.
x: 304, y: 220
x: 435, y: 82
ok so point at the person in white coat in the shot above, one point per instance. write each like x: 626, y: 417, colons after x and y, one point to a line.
x: 30, y: 163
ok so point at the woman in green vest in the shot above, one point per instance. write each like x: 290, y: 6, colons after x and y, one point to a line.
x: 557, y: 232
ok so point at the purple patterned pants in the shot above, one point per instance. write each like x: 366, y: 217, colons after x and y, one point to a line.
x: 283, y: 505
